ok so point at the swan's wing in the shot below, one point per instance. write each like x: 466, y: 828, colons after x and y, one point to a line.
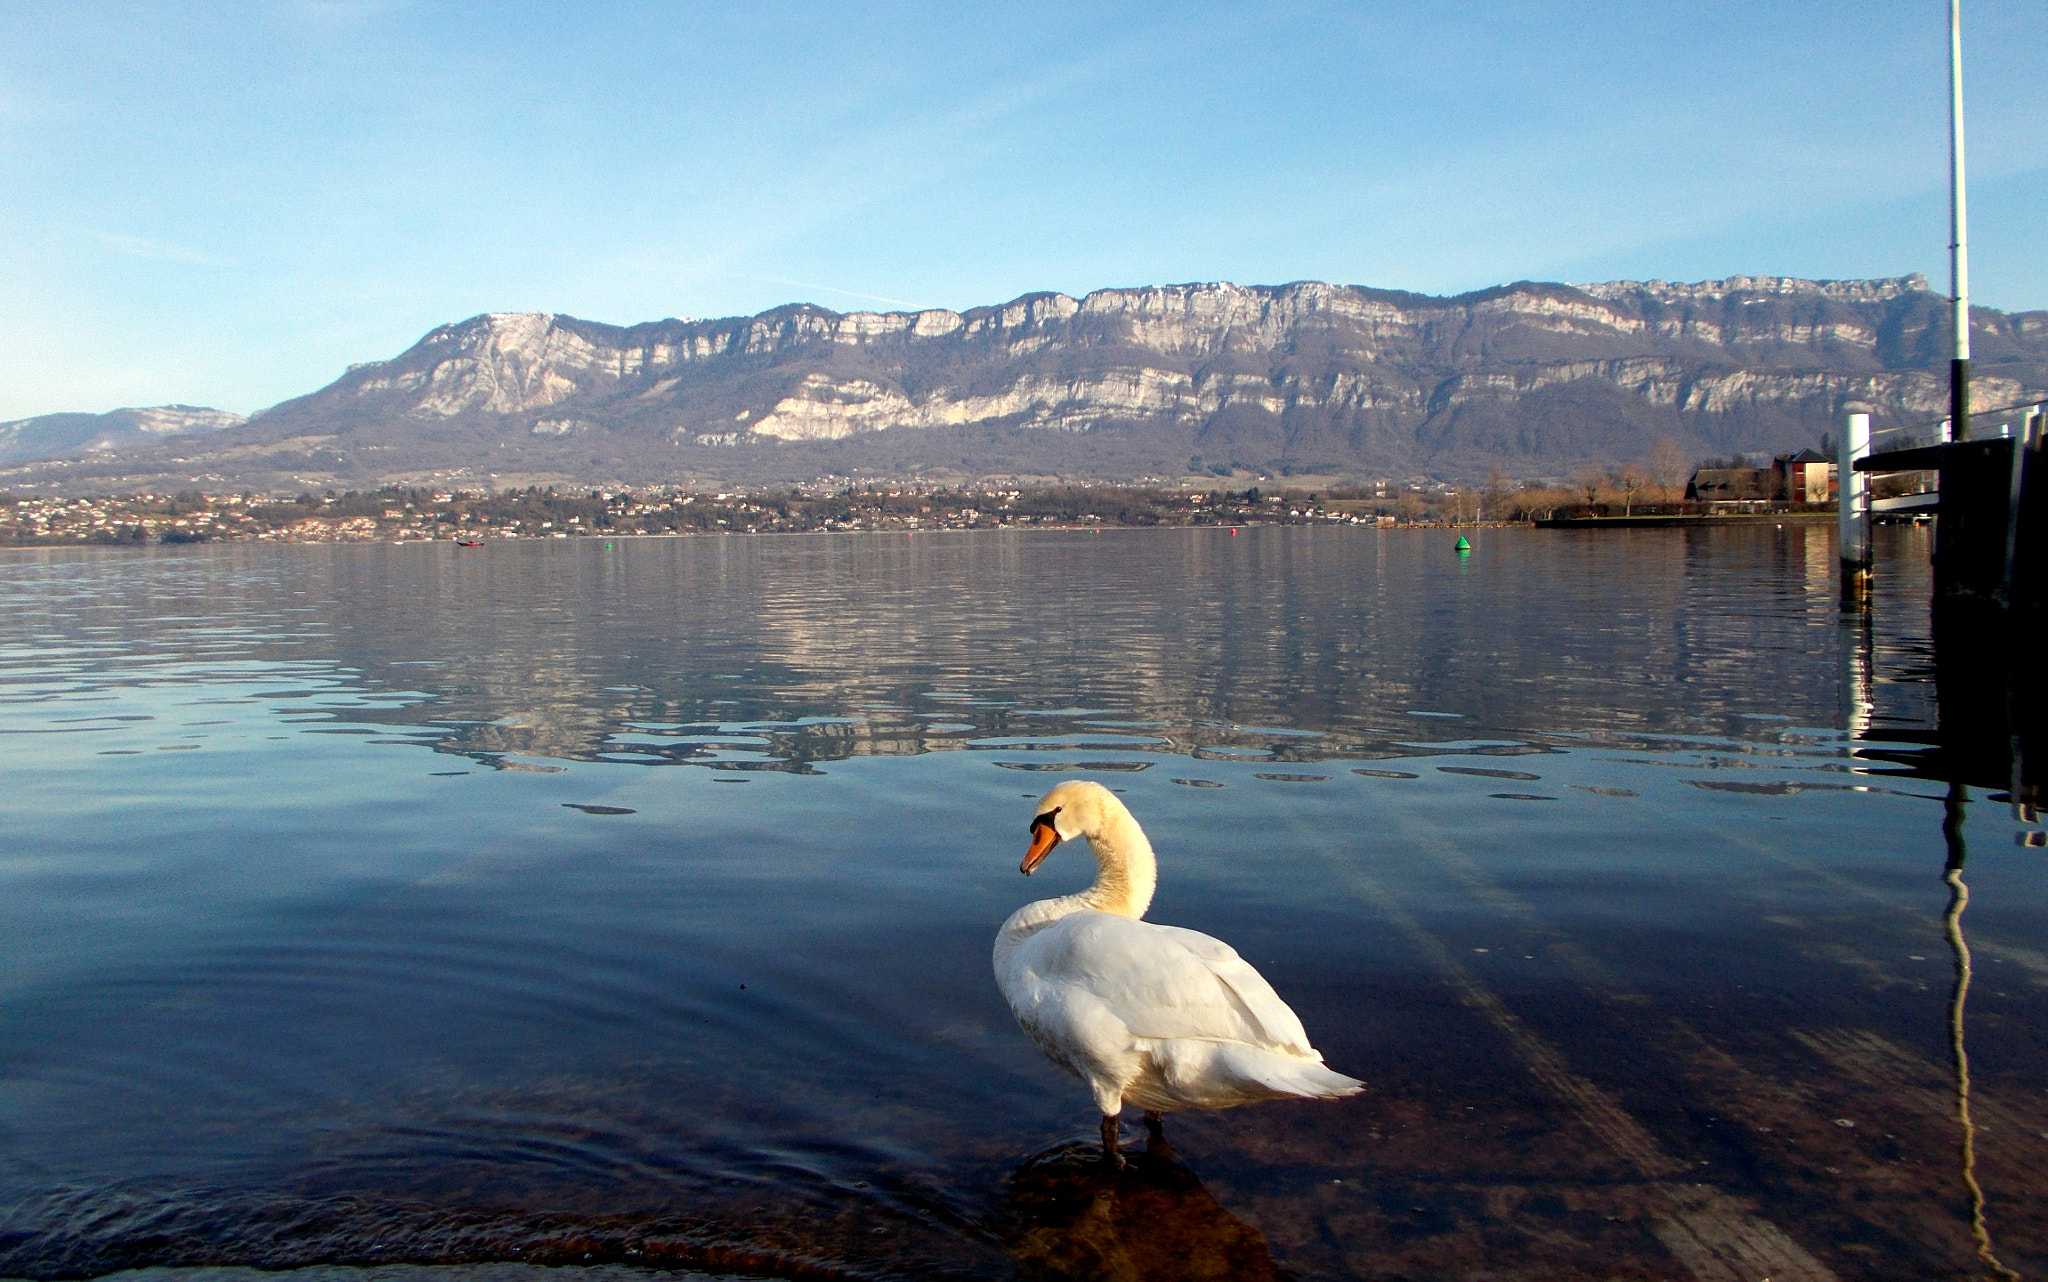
x: 1282, y: 1027
x: 1163, y: 982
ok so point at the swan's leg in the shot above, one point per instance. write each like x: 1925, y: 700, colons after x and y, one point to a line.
x: 1109, y: 1140
x: 1155, y: 1135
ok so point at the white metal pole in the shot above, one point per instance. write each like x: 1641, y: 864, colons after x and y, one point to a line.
x: 1959, y: 235
x: 1852, y: 498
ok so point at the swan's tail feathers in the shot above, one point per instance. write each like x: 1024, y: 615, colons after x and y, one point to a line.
x: 1305, y: 1078
x: 1219, y: 1074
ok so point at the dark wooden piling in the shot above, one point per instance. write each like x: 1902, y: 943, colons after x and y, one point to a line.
x: 1991, y: 535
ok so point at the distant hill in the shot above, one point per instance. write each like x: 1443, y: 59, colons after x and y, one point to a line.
x: 51, y: 436
x: 1163, y: 381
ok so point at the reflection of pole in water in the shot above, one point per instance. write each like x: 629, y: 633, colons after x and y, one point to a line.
x: 1952, y: 927
x: 1858, y: 677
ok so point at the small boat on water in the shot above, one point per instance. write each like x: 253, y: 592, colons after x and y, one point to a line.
x: 469, y: 543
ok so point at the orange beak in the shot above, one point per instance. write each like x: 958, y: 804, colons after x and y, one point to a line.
x: 1043, y: 838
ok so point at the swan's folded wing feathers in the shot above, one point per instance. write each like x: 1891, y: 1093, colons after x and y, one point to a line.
x: 1164, y: 982
x: 1281, y: 1026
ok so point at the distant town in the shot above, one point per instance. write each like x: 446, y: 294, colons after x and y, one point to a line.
x: 402, y: 513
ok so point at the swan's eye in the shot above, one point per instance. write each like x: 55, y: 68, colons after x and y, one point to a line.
x: 1045, y: 820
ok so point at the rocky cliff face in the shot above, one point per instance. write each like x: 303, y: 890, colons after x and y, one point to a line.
x: 1535, y: 378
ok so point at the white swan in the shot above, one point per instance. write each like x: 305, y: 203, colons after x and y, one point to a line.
x: 1156, y: 1016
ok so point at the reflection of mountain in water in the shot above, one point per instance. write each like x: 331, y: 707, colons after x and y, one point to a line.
x: 781, y: 652
x: 1073, y: 1218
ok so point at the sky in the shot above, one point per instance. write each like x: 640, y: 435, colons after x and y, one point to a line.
x: 227, y: 204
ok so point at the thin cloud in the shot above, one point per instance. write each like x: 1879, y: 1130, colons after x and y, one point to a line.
x: 833, y: 289
x: 877, y: 164
x: 157, y: 251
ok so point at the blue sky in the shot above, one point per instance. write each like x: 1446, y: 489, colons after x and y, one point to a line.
x: 225, y: 204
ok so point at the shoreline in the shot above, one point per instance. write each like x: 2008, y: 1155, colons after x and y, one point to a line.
x: 1561, y: 523
x: 1827, y: 517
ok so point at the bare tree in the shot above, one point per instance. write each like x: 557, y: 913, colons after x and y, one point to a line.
x: 1590, y: 480
x: 1668, y: 467
x: 1629, y: 479
x: 1499, y: 490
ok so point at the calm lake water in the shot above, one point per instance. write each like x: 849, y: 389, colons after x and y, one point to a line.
x: 567, y: 903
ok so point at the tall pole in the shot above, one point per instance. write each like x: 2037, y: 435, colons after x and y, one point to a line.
x: 1852, y: 494
x: 1959, y: 240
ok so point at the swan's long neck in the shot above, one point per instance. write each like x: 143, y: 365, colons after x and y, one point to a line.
x: 1125, y: 876
x: 1126, y: 873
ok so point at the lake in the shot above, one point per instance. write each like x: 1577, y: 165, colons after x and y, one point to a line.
x: 629, y: 904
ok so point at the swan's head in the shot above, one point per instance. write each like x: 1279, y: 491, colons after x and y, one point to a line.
x: 1077, y: 808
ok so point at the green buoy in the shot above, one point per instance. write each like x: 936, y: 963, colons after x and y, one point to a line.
x: 1464, y: 548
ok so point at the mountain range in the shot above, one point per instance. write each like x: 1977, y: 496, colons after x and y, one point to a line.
x: 1159, y: 382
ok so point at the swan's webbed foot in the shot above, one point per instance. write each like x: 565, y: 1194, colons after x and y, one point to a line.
x: 1110, y: 1156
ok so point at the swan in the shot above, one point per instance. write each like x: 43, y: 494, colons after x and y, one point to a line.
x: 1156, y: 1016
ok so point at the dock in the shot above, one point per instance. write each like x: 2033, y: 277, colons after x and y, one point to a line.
x: 1991, y: 513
